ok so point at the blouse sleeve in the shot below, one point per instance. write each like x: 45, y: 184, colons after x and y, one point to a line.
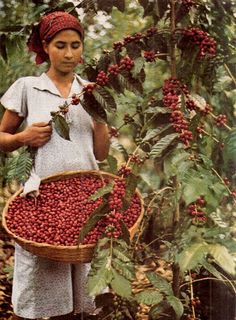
x: 14, y: 98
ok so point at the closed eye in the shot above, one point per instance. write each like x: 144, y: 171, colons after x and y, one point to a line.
x: 62, y: 45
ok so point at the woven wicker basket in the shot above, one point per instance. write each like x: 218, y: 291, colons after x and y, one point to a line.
x: 71, y: 254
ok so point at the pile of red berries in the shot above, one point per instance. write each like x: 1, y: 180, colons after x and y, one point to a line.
x: 196, y: 210
x: 200, y: 38
x: 172, y: 90
x: 62, y: 208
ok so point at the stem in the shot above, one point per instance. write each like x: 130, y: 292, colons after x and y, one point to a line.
x: 222, y: 180
x: 133, y: 153
x: 212, y: 278
x: 229, y: 73
x: 176, y: 279
x: 191, y: 294
x: 177, y: 212
x: 124, y: 124
x: 211, y: 136
x: 225, y: 125
x: 149, y: 205
x: 158, y: 238
x: 172, y: 40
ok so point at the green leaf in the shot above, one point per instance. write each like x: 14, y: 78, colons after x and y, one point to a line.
x: 229, y: 151
x: 209, y: 267
x: 125, y: 232
x: 98, y: 282
x: 159, y: 282
x: 131, y: 185
x: 121, y: 255
x: 138, y: 66
x: 157, y: 110
x: 125, y: 269
x: 119, y: 147
x: 61, y: 126
x: 102, y: 191
x: 113, y: 163
x: 192, y: 256
x: 176, y: 305
x: 104, y: 98
x: 121, y: 285
x: 162, y: 144
x: 94, y: 108
x: 149, y: 297
x: 130, y: 83
x: 19, y: 166
x: 133, y: 49
x: 223, y: 258
x: 97, y: 215
x: 177, y: 163
x: 158, y: 309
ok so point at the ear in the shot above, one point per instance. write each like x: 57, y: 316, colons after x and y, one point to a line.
x: 45, y: 46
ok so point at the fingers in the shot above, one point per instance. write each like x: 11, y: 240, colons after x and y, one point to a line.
x: 40, y: 124
x: 44, y: 127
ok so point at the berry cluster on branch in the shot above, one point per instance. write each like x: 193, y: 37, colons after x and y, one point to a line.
x: 197, y: 37
x: 172, y: 91
x: 196, y: 210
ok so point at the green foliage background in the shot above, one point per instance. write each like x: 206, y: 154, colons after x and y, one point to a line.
x: 174, y: 176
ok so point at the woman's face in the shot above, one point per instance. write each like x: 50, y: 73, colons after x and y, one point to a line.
x: 64, y: 51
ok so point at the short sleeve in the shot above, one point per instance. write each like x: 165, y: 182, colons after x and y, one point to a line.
x: 15, y: 98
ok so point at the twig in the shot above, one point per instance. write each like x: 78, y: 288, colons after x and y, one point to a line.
x: 149, y: 205
x: 224, y: 124
x: 212, y: 278
x: 229, y: 73
x: 191, y: 295
x: 172, y: 41
x: 222, y: 180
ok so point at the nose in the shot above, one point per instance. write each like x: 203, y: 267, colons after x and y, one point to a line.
x: 68, y: 52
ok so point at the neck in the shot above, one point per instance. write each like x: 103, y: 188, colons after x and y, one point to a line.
x: 60, y: 77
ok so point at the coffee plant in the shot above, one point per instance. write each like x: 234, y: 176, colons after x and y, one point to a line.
x: 167, y: 92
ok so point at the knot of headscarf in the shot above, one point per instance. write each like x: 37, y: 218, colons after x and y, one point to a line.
x: 47, y: 28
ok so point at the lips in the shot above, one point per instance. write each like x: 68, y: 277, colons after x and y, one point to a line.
x: 68, y: 63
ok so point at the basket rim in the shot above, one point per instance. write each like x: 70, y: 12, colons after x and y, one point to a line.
x: 56, y: 177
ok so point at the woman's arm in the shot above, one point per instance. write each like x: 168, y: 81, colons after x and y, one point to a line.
x: 35, y: 136
x: 100, y: 140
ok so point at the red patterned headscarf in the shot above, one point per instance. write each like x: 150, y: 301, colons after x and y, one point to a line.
x: 47, y: 28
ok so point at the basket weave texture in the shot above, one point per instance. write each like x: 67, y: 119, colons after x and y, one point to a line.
x: 70, y: 254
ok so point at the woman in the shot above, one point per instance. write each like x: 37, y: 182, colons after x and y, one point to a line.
x: 43, y: 288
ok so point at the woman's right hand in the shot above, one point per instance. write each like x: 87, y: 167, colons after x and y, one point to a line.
x: 36, y: 135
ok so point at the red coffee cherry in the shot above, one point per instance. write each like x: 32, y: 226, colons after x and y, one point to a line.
x: 89, y: 88
x: 149, y: 56
x: 102, y: 78
x: 114, y: 69
x: 195, y: 36
x: 221, y: 120
x: 126, y: 63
